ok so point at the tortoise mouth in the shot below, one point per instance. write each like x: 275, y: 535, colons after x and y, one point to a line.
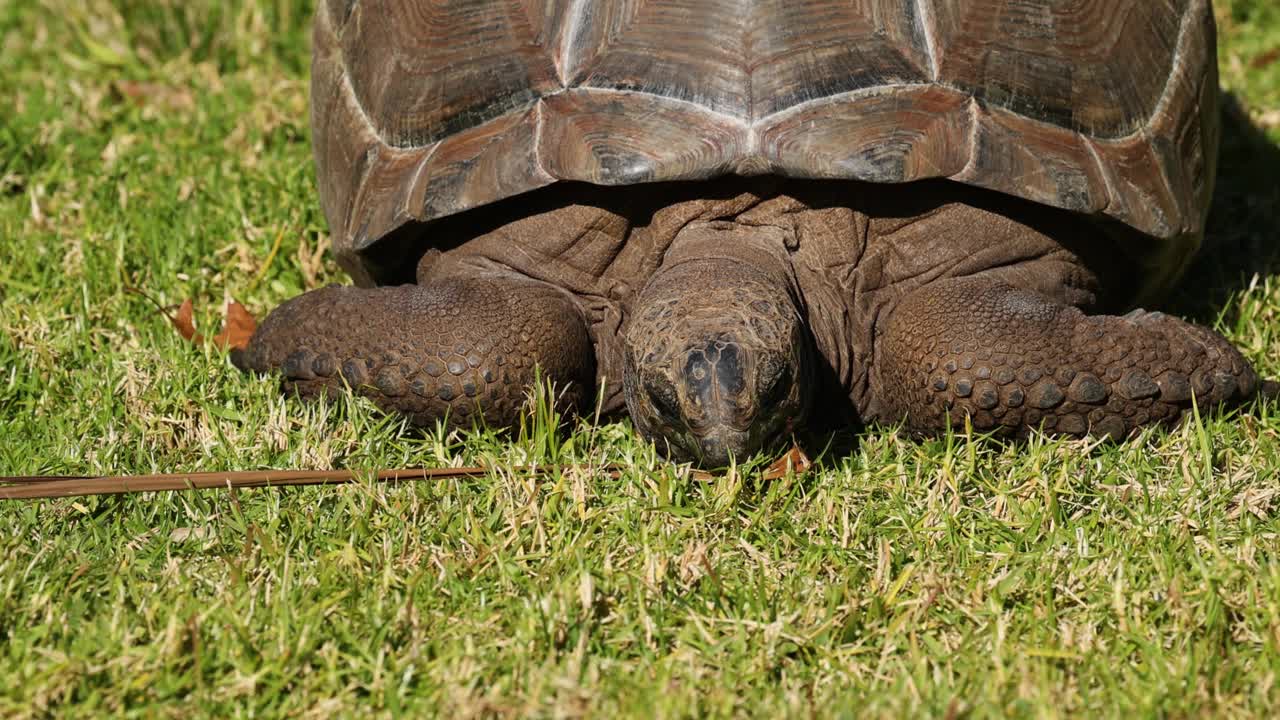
x: 722, y: 447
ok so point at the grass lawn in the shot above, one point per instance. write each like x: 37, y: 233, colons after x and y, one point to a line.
x: 164, y: 145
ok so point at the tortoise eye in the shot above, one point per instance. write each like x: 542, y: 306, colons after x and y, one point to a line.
x: 663, y: 396
x: 775, y: 382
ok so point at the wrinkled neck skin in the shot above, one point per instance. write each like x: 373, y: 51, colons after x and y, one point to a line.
x: 718, y: 361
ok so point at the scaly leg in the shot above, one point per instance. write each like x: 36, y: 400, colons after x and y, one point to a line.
x: 460, y: 347
x: 1014, y: 360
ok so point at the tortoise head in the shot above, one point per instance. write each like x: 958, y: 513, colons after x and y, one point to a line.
x: 717, y: 362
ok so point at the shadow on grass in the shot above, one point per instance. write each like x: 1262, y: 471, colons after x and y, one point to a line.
x: 1241, y: 237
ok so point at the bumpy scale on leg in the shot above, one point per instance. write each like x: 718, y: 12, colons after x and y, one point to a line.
x: 461, y: 347
x: 1013, y: 360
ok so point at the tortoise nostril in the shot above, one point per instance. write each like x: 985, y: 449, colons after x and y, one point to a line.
x: 714, y: 372
x: 729, y: 372
x: 699, y: 378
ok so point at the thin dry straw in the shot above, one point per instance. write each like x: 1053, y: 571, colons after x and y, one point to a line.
x: 31, y: 487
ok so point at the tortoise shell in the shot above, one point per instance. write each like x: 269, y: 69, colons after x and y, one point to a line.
x: 425, y: 109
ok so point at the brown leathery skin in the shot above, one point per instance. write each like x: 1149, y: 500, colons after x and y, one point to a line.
x: 717, y: 358
x: 836, y: 267
x: 843, y: 255
x: 465, y: 348
x: 1013, y: 360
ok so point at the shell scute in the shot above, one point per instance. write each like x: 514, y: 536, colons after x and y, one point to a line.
x: 423, y: 110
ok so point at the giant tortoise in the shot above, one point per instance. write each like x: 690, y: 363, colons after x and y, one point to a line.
x: 727, y: 213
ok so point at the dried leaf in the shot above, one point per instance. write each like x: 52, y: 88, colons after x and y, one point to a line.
x: 1265, y: 59
x: 184, y: 323
x: 794, y: 461
x: 238, y: 328
x: 145, y: 93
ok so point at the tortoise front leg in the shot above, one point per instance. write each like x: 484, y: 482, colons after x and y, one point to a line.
x: 458, y: 347
x: 1014, y: 360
